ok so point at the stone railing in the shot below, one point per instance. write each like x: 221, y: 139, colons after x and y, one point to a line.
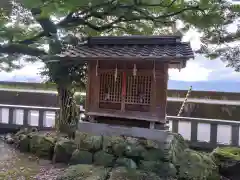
x: 15, y: 116
x: 206, y: 133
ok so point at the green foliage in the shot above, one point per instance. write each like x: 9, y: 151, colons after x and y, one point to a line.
x: 110, y: 17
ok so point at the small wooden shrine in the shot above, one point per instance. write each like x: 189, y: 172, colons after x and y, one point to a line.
x: 128, y: 76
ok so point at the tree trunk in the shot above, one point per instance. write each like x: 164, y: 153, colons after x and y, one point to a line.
x: 68, y: 115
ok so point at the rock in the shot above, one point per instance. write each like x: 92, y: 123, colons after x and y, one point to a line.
x: 81, y: 157
x: 84, y: 172
x: 24, y: 143
x: 162, y: 169
x: 196, y: 165
x: 125, y: 162
x: 134, y: 149
x: 122, y: 173
x: 41, y: 145
x: 114, y: 145
x: 88, y: 142
x: 228, y: 160
x: 63, y: 150
x: 103, y: 158
x: 22, y: 131
x: 46, y: 147
x: 9, y: 139
x: 34, y: 142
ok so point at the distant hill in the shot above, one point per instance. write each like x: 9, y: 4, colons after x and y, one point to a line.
x: 223, y: 86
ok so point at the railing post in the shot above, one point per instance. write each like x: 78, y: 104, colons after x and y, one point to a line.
x: 25, y: 117
x: 194, y: 131
x: 41, y: 114
x: 1, y: 118
x: 235, y: 135
x: 175, y: 125
x: 213, y: 134
x: 10, y: 115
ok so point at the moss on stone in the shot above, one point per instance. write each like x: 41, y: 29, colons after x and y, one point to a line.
x: 193, y: 165
x: 41, y: 145
x: 162, y: 169
x: 125, y: 162
x: 114, y: 145
x: 24, y: 143
x: 122, y: 173
x: 104, y: 159
x: 225, y: 153
x: 84, y: 172
x: 81, y: 157
x: 63, y: 150
x: 88, y: 142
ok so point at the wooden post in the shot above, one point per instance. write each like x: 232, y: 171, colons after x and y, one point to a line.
x: 161, y: 91
x: 124, y: 79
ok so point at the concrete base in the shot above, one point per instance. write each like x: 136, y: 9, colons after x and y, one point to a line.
x: 113, y: 130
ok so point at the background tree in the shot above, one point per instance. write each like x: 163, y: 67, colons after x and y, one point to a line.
x: 58, y: 23
x: 223, y: 39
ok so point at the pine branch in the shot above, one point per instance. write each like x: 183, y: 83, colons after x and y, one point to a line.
x: 81, y: 17
x: 21, y: 49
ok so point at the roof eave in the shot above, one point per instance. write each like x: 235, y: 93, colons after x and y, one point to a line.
x: 116, y: 58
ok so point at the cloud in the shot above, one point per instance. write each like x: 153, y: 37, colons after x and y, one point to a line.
x: 30, y: 72
x: 203, y: 69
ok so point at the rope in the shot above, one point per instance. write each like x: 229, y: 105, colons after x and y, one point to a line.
x: 185, y: 100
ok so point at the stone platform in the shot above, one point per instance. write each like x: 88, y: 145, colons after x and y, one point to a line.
x: 114, y: 153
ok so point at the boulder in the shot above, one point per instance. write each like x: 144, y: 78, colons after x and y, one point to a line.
x: 9, y: 139
x: 24, y: 143
x: 88, y: 142
x: 193, y: 165
x: 84, y: 172
x: 41, y: 145
x: 81, y: 157
x: 125, y: 162
x: 46, y: 147
x: 114, y: 145
x: 163, y: 150
x: 162, y: 169
x: 63, y: 150
x: 34, y: 142
x: 122, y: 173
x: 134, y: 149
x: 104, y: 159
x: 228, y: 160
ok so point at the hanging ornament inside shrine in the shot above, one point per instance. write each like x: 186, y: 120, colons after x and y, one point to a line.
x: 154, y: 71
x: 107, y: 94
x: 116, y: 73
x: 134, y: 70
x: 97, y: 68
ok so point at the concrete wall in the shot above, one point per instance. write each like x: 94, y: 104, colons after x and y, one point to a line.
x: 28, y: 98
x: 191, y: 109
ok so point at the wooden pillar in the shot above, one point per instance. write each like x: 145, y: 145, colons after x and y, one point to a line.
x: 94, y: 86
x: 88, y: 88
x: 161, y: 92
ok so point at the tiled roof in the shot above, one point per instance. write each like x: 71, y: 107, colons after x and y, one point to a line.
x: 157, y: 47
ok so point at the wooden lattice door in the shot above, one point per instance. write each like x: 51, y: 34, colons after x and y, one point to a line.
x: 138, y: 96
x: 132, y: 91
x: 110, y: 91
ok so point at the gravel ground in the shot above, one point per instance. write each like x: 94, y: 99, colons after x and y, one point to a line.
x: 18, y: 166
